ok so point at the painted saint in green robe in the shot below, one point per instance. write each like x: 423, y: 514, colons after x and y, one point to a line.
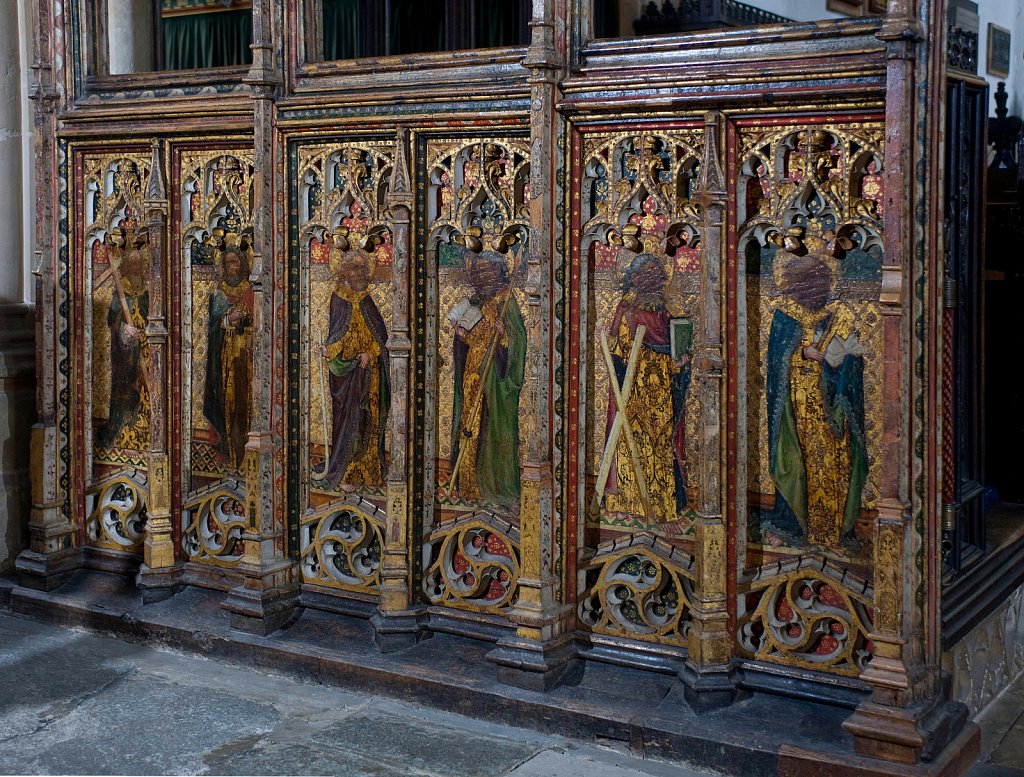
x: 815, y: 391
x: 489, y: 357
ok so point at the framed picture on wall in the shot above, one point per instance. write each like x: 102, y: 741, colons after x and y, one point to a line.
x: 847, y: 7
x: 998, y: 51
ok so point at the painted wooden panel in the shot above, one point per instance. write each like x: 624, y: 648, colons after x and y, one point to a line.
x: 476, y: 229
x: 808, y: 205
x: 344, y: 320
x: 638, y: 254
x: 114, y: 388
x: 213, y: 211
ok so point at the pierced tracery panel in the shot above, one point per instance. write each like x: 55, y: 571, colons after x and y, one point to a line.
x: 638, y: 587
x: 806, y: 612
x: 473, y: 563
x: 116, y: 512
x: 809, y: 205
x: 212, y: 524
x: 341, y: 545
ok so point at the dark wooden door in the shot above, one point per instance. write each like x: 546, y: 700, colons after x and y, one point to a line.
x: 963, y: 358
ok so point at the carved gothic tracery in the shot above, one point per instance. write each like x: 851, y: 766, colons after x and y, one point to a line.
x: 342, y: 543
x: 116, y: 512
x: 809, y: 613
x: 638, y: 587
x: 212, y: 524
x: 473, y: 563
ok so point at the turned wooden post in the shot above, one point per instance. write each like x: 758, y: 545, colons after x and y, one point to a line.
x: 542, y: 648
x: 398, y: 624
x: 269, y: 594
x: 158, y: 578
x: 53, y: 553
x: 907, y: 719
x: 707, y: 677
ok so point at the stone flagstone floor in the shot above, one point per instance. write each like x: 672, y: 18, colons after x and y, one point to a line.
x: 74, y: 702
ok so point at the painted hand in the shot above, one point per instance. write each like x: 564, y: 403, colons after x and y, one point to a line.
x: 364, y: 360
x: 812, y: 353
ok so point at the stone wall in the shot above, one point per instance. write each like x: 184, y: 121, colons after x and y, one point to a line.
x: 991, y: 657
x: 17, y: 331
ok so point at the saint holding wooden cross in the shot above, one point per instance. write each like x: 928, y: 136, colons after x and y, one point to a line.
x: 647, y: 355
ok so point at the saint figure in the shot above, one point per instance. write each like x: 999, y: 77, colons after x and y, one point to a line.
x: 356, y: 356
x: 489, y: 356
x: 656, y: 407
x: 228, y: 356
x: 127, y: 425
x: 815, y: 390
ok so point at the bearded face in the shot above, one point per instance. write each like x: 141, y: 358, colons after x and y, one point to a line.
x: 356, y: 276
x: 487, y: 279
x: 232, y: 268
x: 133, y: 268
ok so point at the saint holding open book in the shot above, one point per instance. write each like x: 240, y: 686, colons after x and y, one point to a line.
x: 815, y: 389
x: 489, y: 355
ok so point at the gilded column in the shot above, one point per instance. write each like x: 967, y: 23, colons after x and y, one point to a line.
x: 158, y: 577
x: 52, y: 554
x: 269, y: 593
x: 397, y: 623
x: 707, y: 678
x: 542, y: 648
x: 907, y: 719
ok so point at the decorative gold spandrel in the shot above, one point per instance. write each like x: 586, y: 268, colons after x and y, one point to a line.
x: 116, y: 512
x: 641, y: 236
x: 639, y: 587
x: 213, y: 520
x: 342, y: 544
x: 809, y: 202
x: 473, y: 563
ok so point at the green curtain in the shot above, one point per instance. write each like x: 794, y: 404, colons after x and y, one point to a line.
x: 203, y: 40
x: 501, y: 23
x: 342, y: 30
x: 417, y: 26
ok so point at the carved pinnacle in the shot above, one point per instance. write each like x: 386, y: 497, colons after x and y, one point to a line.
x: 400, y: 192
x: 156, y: 189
